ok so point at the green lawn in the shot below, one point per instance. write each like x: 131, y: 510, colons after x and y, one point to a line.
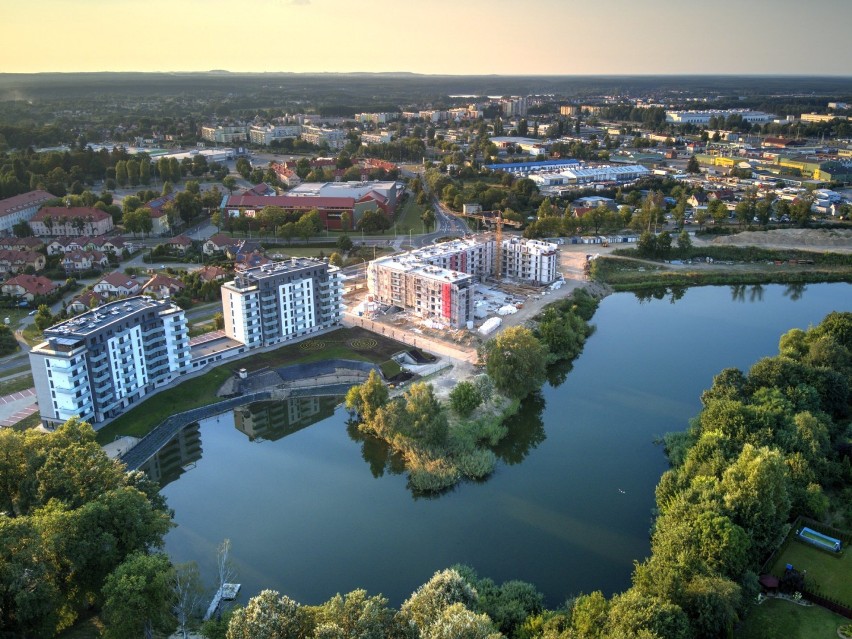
x: 345, y: 343
x: 15, y: 315
x: 777, y: 618
x: 831, y: 575
x: 409, y: 218
x: 15, y: 384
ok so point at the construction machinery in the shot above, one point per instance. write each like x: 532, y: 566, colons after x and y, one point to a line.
x: 496, y: 219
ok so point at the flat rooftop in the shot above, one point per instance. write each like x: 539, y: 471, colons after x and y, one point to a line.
x: 106, y: 314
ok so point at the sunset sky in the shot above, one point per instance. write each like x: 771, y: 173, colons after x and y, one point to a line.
x: 430, y: 36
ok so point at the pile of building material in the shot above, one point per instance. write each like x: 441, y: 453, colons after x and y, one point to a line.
x: 490, y: 326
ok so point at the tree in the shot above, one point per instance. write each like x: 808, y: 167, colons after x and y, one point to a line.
x: 121, y: 173
x: 335, y: 259
x: 631, y: 612
x: 230, y: 183
x: 701, y: 217
x: 138, y: 597
x: 692, y: 166
x: 133, y: 172
x: 345, y: 223
x: 188, y: 595
x: 464, y: 398
x: 718, y: 211
x: 428, y: 218
x: 344, y: 243
x: 589, y: 615
x: 268, y: 615
x: 43, y: 318
x: 365, y: 399
x: 8, y: 343
x: 515, y: 360
x: 684, y: 242
x: 425, y: 418
x: 426, y: 605
x: 457, y: 622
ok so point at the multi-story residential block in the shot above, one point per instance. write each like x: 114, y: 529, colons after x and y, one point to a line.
x: 332, y: 138
x: 21, y: 208
x: 569, y: 109
x: 225, y: 134
x: 269, y: 133
x: 376, y: 118
x: 97, y: 364
x: 276, y: 302
x: 15, y: 261
x: 430, y: 292
x: 380, y: 137
x: 437, y: 282
x: 532, y: 261
x: 72, y: 220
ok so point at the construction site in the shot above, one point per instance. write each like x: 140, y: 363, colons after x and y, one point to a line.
x: 461, y: 291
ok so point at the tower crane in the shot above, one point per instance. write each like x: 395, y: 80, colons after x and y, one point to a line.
x: 496, y: 218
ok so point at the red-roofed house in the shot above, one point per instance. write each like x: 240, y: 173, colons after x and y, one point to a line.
x: 14, y: 261
x: 117, y: 284
x: 85, y: 301
x: 72, y: 220
x: 162, y: 286
x: 212, y: 273
x: 21, y: 208
x: 79, y: 261
x: 28, y: 287
x: 21, y: 243
x: 219, y: 243
x: 181, y: 243
x: 286, y: 174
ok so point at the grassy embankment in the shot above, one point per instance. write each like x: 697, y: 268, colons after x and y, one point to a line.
x: 624, y: 270
x: 345, y: 343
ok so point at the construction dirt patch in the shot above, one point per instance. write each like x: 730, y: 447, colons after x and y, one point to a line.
x: 822, y: 240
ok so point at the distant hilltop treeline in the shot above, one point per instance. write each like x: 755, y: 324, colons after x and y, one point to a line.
x: 399, y: 85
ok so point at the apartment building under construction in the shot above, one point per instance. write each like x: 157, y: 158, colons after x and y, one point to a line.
x: 437, y: 282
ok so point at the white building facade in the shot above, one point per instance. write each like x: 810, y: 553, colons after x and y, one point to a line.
x: 97, y: 364
x: 281, y: 301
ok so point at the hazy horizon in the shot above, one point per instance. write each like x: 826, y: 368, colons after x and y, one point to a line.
x: 479, y: 37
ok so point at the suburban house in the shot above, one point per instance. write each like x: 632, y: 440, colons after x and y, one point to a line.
x: 71, y: 220
x: 697, y: 199
x: 62, y: 245
x: 80, y: 261
x: 86, y: 301
x: 117, y: 284
x: 160, y: 224
x: 162, y: 286
x: 21, y: 243
x: 249, y: 259
x: 179, y: 244
x: 28, y: 287
x: 262, y: 189
x: 113, y: 245
x: 212, y: 274
x: 108, y: 245
x: 219, y: 243
x: 15, y: 261
x: 21, y: 208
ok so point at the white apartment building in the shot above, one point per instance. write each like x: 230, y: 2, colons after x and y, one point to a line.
x: 225, y: 134
x: 269, y: 133
x: 703, y: 117
x: 376, y: 118
x: 333, y: 138
x: 277, y: 302
x: 380, y: 137
x: 532, y: 261
x: 97, y: 364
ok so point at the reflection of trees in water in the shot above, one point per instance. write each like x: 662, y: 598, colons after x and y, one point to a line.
x: 526, y: 431
x: 674, y: 293
x: 795, y: 291
x: 755, y: 292
x: 557, y: 373
x: 375, y: 452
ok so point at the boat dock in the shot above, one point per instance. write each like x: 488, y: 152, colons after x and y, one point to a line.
x: 226, y: 592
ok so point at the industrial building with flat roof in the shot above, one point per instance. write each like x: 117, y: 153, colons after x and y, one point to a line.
x: 281, y: 301
x: 97, y: 364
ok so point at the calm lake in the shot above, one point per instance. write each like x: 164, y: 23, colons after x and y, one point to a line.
x: 311, y: 512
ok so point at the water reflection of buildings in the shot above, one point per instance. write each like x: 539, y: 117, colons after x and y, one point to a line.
x: 276, y: 419
x: 177, y: 456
